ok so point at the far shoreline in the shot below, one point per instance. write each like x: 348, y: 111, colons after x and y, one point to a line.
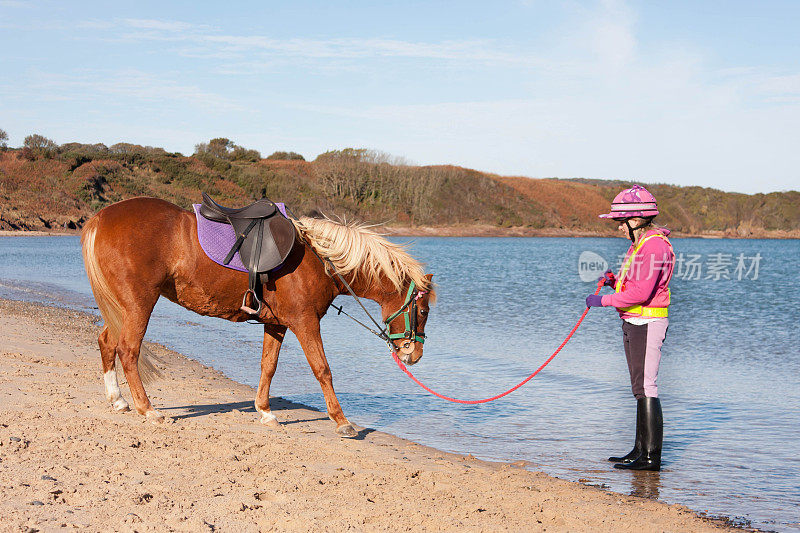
x: 494, y: 231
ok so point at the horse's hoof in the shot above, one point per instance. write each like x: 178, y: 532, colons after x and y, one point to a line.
x: 269, y: 420
x: 120, y: 406
x: 346, y: 431
x: 155, y: 417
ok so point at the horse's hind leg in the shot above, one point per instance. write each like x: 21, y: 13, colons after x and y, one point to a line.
x: 128, y: 347
x: 108, y: 355
x: 273, y: 337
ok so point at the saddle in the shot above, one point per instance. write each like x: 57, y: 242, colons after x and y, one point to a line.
x: 264, y: 239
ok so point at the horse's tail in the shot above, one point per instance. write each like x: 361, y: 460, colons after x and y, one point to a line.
x: 110, y: 307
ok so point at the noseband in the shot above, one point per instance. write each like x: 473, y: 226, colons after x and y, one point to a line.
x: 409, y: 313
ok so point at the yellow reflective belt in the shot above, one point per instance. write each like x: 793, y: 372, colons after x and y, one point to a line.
x: 648, y: 312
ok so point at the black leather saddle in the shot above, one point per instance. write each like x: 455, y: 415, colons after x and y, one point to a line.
x: 264, y: 239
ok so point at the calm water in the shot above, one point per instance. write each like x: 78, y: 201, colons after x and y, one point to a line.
x: 729, y: 380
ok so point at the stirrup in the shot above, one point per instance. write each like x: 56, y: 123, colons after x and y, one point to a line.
x: 248, y: 309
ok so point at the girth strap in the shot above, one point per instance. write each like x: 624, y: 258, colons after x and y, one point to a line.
x: 254, y: 287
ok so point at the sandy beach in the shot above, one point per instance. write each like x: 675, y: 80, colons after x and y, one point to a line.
x: 67, y: 461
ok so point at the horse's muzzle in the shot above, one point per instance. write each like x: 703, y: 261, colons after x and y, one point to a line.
x: 410, y: 352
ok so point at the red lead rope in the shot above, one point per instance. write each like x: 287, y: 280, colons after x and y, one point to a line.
x: 512, y: 389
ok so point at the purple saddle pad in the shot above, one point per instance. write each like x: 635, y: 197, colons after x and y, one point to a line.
x: 217, y: 238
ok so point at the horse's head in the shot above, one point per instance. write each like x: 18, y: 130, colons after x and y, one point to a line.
x: 405, y: 319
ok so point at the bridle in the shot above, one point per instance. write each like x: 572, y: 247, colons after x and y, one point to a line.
x: 409, y: 313
x: 408, y: 310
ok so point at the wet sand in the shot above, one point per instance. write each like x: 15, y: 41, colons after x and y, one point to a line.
x: 67, y: 461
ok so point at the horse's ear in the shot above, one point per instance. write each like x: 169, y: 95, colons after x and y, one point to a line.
x: 429, y: 276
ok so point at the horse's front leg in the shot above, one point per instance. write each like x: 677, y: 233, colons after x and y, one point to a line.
x: 273, y: 337
x: 311, y: 341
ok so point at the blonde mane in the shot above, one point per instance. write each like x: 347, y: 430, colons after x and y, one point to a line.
x: 358, y: 250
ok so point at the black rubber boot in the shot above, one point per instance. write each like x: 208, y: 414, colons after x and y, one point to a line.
x: 637, y: 446
x: 652, y: 437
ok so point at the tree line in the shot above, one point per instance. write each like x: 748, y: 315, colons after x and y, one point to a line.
x: 38, y: 146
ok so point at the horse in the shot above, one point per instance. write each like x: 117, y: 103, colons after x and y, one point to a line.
x: 140, y: 249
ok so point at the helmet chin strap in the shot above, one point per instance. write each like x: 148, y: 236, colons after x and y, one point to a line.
x: 631, y: 230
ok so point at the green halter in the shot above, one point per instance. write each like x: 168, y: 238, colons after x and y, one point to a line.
x: 408, y: 310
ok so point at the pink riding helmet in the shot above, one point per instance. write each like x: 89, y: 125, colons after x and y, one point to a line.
x: 634, y: 202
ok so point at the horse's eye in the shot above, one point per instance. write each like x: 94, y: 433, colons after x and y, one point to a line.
x: 423, y: 312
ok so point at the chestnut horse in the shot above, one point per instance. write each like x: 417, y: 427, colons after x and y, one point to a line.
x: 139, y: 249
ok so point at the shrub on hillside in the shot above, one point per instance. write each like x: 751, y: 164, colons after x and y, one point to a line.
x: 77, y: 154
x: 356, y: 155
x: 94, y: 150
x: 286, y: 156
x: 225, y: 149
x: 39, y: 146
x: 219, y: 147
x: 136, y: 153
x: 128, y: 148
x: 245, y: 154
x: 3, y: 139
x: 91, y: 181
x: 214, y: 163
x: 184, y: 171
x: 361, y: 155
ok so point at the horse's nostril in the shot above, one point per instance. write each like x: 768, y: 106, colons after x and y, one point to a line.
x: 412, y: 360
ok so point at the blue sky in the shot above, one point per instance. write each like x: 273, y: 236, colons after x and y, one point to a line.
x: 690, y: 93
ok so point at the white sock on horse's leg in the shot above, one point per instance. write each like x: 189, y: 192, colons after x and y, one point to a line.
x: 113, y: 393
x: 268, y: 419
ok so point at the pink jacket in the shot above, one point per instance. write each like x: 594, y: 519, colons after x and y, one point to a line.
x: 647, y: 280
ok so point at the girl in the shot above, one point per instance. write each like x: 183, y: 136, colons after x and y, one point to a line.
x: 641, y: 296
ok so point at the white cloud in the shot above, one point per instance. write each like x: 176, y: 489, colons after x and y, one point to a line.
x: 613, y: 38
x: 788, y: 85
x: 132, y: 85
x: 161, y: 25
x: 211, y: 43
